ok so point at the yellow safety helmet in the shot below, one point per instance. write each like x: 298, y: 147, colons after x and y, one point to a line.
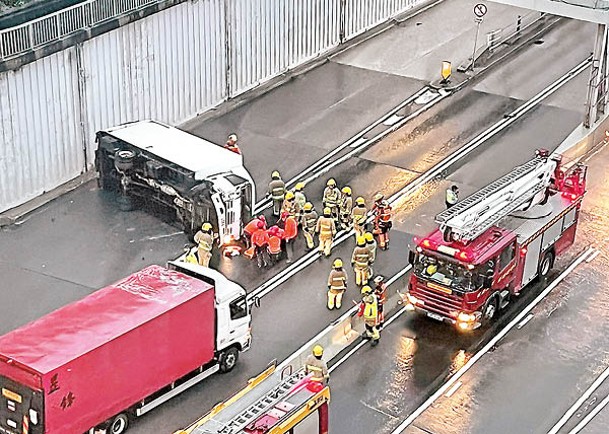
x: 338, y: 263
x: 331, y: 182
x: 369, y: 237
x: 378, y: 197
x: 327, y: 211
x: 308, y: 206
x: 431, y: 269
x: 206, y: 226
x: 318, y: 351
x: 366, y: 290
x: 346, y: 190
x: 275, y: 175
x: 360, y: 201
x: 289, y: 195
x: 361, y: 241
x: 299, y: 186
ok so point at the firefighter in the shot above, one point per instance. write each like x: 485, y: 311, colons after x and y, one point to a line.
x: 276, y: 192
x: 326, y: 229
x: 380, y: 291
x: 344, y: 208
x: 191, y: 254
x: 358, y: 216
x: 231, y: 144
x: 289, y: 205
x: 371, y: 246
x: 290, y: 229
x: 260, y: 240
x: 452, y: 196
x: 331, y: 198
x: 249, y: 228
x: 308, y: 221
x: 337, y: 284
x: 205, y: 240
x: 315, y: 366
x: 368, y: 309
x: 361, y: 262
x: 382, y: 220
x: 299, y: 199
x: 275, y: 239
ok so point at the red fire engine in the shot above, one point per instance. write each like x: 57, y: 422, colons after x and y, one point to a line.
x: 493, y: 243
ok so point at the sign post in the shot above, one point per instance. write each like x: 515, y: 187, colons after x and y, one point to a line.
x: 480, y: 10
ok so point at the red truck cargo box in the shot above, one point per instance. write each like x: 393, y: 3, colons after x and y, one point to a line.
x: 100, y: 355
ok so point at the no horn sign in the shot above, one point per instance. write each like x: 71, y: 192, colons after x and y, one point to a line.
x: 480, y: 10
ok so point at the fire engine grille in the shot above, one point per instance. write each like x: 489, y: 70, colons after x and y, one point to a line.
x: 436, y: 301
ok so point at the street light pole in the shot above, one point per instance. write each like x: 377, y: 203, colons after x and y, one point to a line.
x: 478, y: 22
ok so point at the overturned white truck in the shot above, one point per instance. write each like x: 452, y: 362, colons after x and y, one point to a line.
x: 197, y: 179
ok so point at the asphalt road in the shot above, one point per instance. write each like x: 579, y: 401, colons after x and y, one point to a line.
x: 81, y: 242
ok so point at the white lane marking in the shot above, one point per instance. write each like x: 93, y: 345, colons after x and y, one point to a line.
x: 358, y: 142
x: 452, y: 380
x: 569, y: 413
x: 392, y: 120
x: 522, y: 323
x: 158, y: 237
x: 591, y: 258
x: 453, y: 389
x: 346, y: 356
x: 590, y: 416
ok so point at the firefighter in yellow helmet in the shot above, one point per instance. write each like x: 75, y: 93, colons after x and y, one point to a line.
x: 326, y: 229
x: 358, y: 216
x: 276, y: 192
x: 308, y: 221
x: 361, y: 262
x: 337, y: 284
x: 299, y: 199
x: 368, y: 309
x: 345, y: 205
x: 289, y: 204
x: 205, y: 240
x: 331, y: 198
x: 316, y: 367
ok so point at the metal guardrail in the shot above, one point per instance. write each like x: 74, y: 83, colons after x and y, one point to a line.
x: 31, y: 35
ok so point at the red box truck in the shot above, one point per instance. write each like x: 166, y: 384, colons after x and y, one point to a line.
x: 123, y: 350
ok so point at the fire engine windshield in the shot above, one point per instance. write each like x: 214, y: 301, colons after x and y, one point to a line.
x: 447, y: 273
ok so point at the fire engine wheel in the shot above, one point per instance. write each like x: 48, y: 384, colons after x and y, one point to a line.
x: 119, y: 424
x: 228, y: 359
x: 546, y: 264
x: 490, y: 310
x: 123, y: 159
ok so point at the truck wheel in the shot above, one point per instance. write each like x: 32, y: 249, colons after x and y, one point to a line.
x: 123, y: 159
x: 546, y: 264
x: 119, y: 424
x: 228, y: 359
x: 490, y: 311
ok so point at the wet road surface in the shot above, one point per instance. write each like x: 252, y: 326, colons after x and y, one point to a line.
x: 82, y: 242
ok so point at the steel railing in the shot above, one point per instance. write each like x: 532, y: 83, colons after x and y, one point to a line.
x: 39, y: 32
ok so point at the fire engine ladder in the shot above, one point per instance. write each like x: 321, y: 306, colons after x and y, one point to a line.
x: 470, y: 217
x: 264, y: 404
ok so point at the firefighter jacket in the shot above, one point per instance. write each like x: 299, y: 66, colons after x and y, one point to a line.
x: 381, y: 293
x: 277, y: 189
x: 358, y: 214
x: 260, y: 238
x: 299, y: 201
x: 288, y: 206
x: 317, y: 368
x: 382, y: 213
x: 309, y: 221
x: 290, y: 228
x: 191, y: 257
x: 337, y: 280
x: 325, y: 227
x: 369, y: 308
x: 251, y: 227
x: 331, y: 197
x: 371, y: 246
x: 345, y: 205
x: 360, y: 257
x: 204, y: 240
x: 274, y: 245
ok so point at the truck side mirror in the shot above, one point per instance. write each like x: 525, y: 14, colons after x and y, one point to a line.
x: 411, y: 257
x: 257, y: 301
x: 488, y: 281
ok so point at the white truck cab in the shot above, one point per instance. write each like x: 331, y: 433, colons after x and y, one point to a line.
x: 199, y: 180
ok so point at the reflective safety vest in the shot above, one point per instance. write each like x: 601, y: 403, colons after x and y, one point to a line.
x: 381, y: 293
x: 191, y: 257
x: 359, y: 214
x: 361, y: 257
x: 290, y: 228
x: 317, y: 368
x: 382, y: 211
x: 451, y: 197
x: 260, y: 238
x: 337, y: 280
x: 251, y: 227
x: 325, y: 226
x: 370, y: 308
x: 309, y: 221
x: 277, y: 189
x: 346, y: 203
x: 331, y: 197
x: 274, y: 245
x: 204, y: 240
x: 299, y: 200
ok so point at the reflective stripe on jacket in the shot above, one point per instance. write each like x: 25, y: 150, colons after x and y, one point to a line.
x: 204, y: 240
x: 277, y: 189
x: 309, y: 221
x: 359, y: 214
x: 331, y: 197
x: 337, y: 280
x: 325, y: 226
x: 361, y: 256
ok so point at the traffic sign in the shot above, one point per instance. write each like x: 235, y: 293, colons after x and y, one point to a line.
x: 480, y: 10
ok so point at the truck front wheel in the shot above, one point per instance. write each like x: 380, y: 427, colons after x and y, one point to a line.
x: 228, y: 359
x: 119, y: 424
x: 490, y: 311
x: 546, y: 264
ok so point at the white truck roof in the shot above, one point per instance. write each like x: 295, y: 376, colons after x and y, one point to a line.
x: 225, y: 289
x: 179, y: 147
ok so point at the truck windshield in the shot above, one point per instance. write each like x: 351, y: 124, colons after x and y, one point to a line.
x: 447, y: 273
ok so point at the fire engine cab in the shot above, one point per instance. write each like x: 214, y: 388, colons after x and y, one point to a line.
x: 274, y: 402
x: 490, y: 245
